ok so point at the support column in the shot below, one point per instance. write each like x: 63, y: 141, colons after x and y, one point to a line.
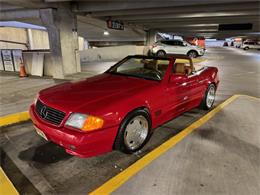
x: 150, y: 37
x: 61, y: 25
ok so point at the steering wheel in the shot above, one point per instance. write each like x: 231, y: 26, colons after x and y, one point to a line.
x: 157, y: 73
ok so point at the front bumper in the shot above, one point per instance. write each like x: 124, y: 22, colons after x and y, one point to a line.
x: 201, y: 52
x: 77, y: 143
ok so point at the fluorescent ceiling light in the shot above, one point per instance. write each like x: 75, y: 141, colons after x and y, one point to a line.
x: 106, y: 32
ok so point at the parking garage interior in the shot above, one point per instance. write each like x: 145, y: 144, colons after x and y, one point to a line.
x: 45, y: 43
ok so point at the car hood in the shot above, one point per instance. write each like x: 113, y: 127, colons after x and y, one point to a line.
x: 71, y: 96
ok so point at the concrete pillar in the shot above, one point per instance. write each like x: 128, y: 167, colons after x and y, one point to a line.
x: 150, y: 37
x: 61, y: 25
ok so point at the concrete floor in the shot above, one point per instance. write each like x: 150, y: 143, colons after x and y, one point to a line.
x: 43, y: 167
x: 220, y: 157
x: 18, y: 93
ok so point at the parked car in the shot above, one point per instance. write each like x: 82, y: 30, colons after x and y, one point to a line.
x: 161, y: 48
x: 250, y: 45
x: 120, y: 108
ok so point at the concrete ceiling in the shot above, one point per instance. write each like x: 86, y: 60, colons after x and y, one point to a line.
x: 182, y: 17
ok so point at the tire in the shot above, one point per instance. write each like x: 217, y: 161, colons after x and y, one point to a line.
x: 206, y: 104
x: 192, y: 54
x: 246, y: 48
x: 129, y: 139
x: 160, y: 53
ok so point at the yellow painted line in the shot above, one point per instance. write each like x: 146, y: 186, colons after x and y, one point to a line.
x: 252, y: 97
x: 198, y: 60
x: 14, y: 118
x: 115, y: 182
x: 6, y: 186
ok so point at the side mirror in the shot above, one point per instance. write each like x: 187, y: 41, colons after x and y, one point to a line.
x: 185, y: 44
x: 177, y: 79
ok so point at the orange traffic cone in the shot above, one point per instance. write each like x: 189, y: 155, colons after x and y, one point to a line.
x: 22, y: 69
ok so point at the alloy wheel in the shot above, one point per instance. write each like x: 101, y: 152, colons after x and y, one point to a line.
x: 136, y: 132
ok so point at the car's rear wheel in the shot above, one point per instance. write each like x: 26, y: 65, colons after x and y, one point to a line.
x: 134, y: 132
x: 209, y: 97
x: 192, y: 54
x: 246, y: 48
x: 161, y: 53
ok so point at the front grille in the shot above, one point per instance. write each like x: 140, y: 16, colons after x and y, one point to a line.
x: 49, y: 114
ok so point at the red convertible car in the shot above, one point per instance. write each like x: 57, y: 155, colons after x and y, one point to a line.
x: 120, y: 108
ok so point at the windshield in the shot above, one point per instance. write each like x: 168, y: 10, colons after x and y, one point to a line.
x: 145, y: 68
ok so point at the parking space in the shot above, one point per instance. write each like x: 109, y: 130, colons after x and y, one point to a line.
x: 220, y: 157
x: 47, y: 168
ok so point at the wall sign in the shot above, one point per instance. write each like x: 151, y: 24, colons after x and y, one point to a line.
x: 7, y: 60
x: 115, y: 24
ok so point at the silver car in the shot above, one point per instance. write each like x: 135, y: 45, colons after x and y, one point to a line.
x: 161, y: 48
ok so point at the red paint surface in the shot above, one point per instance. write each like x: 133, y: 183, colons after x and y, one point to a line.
x: 112, y: 97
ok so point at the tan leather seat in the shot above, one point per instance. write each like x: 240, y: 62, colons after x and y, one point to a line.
x: 180, y: 68
x: 188, y: 70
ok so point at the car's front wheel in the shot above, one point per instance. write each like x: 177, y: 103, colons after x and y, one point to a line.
x: 209, y: 97
x: 246, y: 48
x: 161, y: 53
x: 192, y: 54
x: 134, y: 132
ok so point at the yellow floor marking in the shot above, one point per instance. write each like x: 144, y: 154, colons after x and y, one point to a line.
x: 252, y: 97
x: 115, y: 182
x: 14, y: 118
x: 6, y: 186
x: 198, y: 60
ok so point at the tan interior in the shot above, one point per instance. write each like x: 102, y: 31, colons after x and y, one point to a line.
x: 180, y: 68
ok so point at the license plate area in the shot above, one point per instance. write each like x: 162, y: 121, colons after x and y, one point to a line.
x: 40, y: 133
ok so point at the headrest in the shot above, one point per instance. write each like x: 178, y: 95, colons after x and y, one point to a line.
x: 180, y: 68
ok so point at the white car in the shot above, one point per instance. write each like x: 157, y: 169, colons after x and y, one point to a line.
x: 161, y: 48
x: 250, y: 45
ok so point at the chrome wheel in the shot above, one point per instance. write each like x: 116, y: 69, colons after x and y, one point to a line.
x: 136, y: 132
x: 210, y: 96
x: 160, y: 53
x: 192, y: 54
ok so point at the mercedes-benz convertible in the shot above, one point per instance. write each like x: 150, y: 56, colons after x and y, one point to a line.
x: 120, y: 109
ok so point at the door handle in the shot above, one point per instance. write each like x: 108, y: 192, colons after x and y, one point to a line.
x: 182, y: 83
x: 185, y: 98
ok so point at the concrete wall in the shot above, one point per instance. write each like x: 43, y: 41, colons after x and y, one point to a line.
x: 38, y: 39
x: 110, y: 53
x: 15, y: 35
x: 35, y: 39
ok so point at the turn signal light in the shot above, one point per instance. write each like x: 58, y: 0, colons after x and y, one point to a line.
x: 92, y: 123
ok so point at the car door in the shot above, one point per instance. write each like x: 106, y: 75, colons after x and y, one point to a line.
x: 176, y: 90
x: 182, y: 48
x: 174, y: 47
x: 177, y: 94
x: 194, y: 86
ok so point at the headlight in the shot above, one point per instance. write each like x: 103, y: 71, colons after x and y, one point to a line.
x: 84, y: 122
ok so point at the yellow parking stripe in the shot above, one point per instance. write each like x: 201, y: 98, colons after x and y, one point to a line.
x: 6, y: 186
x: 14, y: 118
x: 252, y: 97
x: 115, y: 182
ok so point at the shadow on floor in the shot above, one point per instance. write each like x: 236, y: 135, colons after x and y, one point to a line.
x: 46, y: 153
